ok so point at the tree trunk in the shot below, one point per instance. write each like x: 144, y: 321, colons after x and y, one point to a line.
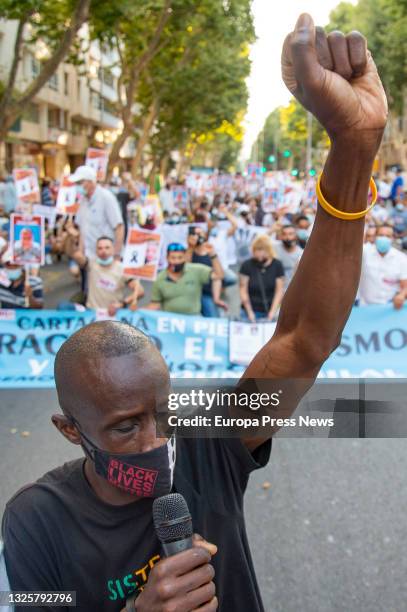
x: 145, y: 133
x: 164, y: 165
x: 114, y: 156
x: 131, y: 89
x: 13, y: 109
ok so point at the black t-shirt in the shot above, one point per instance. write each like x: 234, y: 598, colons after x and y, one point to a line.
x: 58, y: 535
x: 206, y: 261
x: 262, y: 276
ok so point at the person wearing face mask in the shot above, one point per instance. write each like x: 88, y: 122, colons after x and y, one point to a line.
x: 179, y: 287
x: 302, y: 225
x: 107, y: 282
x: 288, y: 252
x: 384, y: 272
x: 202, y: 252
x: 16, y: 290
x: 399, y: 219
x: 99, y: 212
x: 84, y: 526
x: 261, y: 282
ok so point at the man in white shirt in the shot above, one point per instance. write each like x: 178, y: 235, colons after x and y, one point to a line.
x: 288, y: 252
x: 167, y: 198
x: 99, y: 213
x: 384, y: 271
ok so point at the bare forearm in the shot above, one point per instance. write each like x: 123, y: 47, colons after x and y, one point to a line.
x: 118, y: 239
x: 217, y: 268
x: 321, y: 294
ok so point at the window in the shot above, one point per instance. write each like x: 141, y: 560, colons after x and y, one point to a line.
x: 109, y: 107
x: 35, y: 66
x: 53, y: 82
x: 106, y: 76
x: 55, y: 118
x: 66, y: 83
x: 78, y: 129
x: 96, y: 100
x: 32, y: 113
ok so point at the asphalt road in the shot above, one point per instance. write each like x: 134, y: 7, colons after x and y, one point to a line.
x: 327, y: 533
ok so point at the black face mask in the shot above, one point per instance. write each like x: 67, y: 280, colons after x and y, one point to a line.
x: 260, y: 262
x: 288, y: 243
x: 177, y: 267
x: 147, y: 474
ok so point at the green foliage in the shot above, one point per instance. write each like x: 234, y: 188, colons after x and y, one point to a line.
x: 384, y: 23
x: 199, y: 77
x: 284, y: 136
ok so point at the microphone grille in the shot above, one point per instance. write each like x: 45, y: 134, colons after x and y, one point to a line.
x: 172, y: 520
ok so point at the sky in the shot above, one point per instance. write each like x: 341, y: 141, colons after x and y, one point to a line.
x: 273, y: 20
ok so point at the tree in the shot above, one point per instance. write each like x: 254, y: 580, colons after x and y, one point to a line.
x: 56, y: 23
x: 286, y: 130
x: 384, y: 23
x: 197, y: 82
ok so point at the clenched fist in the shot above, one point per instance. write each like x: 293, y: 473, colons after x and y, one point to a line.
x: 334, y: 76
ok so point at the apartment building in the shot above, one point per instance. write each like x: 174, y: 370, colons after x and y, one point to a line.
x: 75, y: 110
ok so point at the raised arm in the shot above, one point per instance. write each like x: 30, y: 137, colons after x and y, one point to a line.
x: 336, y: 79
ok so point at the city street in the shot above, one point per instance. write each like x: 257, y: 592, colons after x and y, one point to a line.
x: 328, y: 534
x: 325, y: 517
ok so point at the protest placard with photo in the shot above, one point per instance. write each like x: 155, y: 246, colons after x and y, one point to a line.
x: 98, y: 160
x: 27, y: 239
x: 142, y: 254
x: 67, y: 200
x: 180, y: 195
x: 254, y: 171
x: 27, y: 188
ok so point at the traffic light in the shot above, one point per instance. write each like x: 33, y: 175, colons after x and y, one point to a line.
x: 287, y: 153
x: 312, y: 172
x: 272, y: 159
x: 294, y: 172
x: 264, y: 169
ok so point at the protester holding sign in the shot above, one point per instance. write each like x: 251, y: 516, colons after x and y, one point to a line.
x: 17, y: 289
x: 99, y: 212
x: 261, y: 282
x: 106, y: 280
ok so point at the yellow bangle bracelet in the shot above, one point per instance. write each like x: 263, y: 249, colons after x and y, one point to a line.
x: 340, y: 214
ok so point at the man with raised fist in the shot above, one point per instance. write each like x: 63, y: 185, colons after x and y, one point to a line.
x: 77, y: 528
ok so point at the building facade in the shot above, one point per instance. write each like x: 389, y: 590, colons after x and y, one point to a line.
x: 75, y: 110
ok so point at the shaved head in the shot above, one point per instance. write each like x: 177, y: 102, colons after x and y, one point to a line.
x: 80, y: 357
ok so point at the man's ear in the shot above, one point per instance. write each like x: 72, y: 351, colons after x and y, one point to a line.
x: 67, y: 428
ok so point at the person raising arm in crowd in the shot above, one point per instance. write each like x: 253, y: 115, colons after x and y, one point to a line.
x: 111, y: 380
x: 179, y: 287
x: 200, y: 251
x: 107, y: 282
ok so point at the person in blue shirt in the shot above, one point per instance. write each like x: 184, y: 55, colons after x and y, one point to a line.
x: 399, y: 219
x: 397, y: 186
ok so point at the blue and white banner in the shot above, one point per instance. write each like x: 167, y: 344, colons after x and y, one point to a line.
x: 374, y: 344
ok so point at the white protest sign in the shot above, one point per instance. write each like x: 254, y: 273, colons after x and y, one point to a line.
x: 247, y: 339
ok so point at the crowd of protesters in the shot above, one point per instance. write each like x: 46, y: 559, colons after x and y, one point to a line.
x: 239, y: 232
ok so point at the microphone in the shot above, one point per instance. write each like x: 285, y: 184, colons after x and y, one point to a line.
x: 173, y: 523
